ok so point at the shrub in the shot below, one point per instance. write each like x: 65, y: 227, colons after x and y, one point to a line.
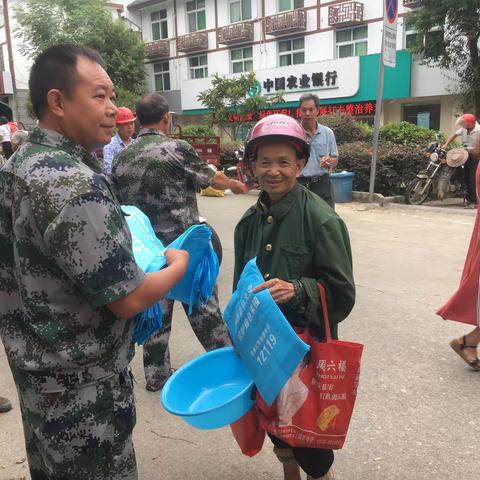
x: 366, y: 129
x: 346, y: 128
x: 396, y: 165
x: 198, y: 130
x: 406, y: 133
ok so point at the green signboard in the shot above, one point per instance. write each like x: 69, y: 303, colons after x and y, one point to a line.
x: 397, y: 83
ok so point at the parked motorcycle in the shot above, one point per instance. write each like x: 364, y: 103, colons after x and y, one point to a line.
x: 441, y: 179
x: 245, y: 170
x: 230, y: 168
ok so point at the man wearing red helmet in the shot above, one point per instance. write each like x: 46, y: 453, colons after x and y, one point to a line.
x: 469, y: 132
x: 125, y: 122
x: 298, y: 241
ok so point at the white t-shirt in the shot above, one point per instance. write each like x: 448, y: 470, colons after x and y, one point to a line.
x: 470, y: 140
x: 5, y: 132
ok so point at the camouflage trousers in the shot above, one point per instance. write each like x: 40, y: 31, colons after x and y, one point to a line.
x: 78, y: 431
x: 208, y: 325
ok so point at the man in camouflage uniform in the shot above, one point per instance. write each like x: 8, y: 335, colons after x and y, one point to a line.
x: 68, y: 280
x: 160, y: 176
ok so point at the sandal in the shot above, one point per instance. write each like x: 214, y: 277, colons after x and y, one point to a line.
x: 459, y: 347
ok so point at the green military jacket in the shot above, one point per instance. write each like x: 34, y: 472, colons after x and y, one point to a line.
x: 299, y: 238
x: 160, y: 176
x: 65, y: 253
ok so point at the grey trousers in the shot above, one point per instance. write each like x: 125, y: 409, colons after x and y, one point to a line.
x: 208, y: 325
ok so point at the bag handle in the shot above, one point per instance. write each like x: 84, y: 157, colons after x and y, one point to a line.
x: 326, y: 321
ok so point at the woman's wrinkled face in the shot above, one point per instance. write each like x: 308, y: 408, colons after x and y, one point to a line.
x: 276, y: 168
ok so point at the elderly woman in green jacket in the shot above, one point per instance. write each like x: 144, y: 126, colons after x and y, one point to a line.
x: 298, y: 241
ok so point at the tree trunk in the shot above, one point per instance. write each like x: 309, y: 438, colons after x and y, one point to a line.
x: 475, y: 60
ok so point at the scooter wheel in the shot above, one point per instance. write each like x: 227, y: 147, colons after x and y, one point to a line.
x: 416, y: 193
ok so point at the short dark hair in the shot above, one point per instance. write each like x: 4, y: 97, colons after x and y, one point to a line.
x: 310, y: 96
x: 56, y: 68
x: 151, y: 108
x: 3, y: 120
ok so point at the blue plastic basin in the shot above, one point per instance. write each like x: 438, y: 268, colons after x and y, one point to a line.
x: 210, y: 391
x: 342, y: 186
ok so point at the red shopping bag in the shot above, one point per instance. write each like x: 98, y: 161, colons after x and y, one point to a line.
x: 248, y: 433
x: 315, y: 406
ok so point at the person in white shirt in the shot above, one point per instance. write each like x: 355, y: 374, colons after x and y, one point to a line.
x: 5, y: 134
x: 469, y: 132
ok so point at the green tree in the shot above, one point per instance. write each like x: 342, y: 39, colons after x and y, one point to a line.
x: 239, y: 95
x: 43, y: 23
x: 448, y: 36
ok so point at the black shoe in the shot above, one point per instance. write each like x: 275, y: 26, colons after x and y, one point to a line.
x: 157, y: 384
x: 5, y: 405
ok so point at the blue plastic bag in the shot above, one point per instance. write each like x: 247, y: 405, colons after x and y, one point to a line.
x: 267, y: 344
x: 148, y: 252
x: 196, y: 286
x: 147, y: 248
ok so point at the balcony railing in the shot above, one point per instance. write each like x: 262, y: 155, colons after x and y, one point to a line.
x: 193, y: 42
x: 236, y: 33
x: 287, y: 22
x: 412, y: 3
x: 158, y: 49
x: 345, y: 14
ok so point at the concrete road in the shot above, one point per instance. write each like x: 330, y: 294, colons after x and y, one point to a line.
x: 417, y: 409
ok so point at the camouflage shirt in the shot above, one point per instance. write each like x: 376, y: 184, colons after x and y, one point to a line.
x: 160, y: 176
x: 65, y: 253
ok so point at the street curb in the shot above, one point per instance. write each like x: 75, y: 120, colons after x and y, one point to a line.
x: 443, y: 209
x: 377, y: 198
x: 397, y: 202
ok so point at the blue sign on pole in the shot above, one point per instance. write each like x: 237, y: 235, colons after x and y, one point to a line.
x: 391, y: 10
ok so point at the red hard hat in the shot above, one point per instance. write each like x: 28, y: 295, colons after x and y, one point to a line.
x: 124, y: 115
x: 469, y: 120
x: 278, y: 127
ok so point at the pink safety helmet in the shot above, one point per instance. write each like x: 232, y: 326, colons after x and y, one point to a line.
x: 277, y: 127
x: 467, y: 120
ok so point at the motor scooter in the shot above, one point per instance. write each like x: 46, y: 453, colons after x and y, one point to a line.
x: 438, y: 180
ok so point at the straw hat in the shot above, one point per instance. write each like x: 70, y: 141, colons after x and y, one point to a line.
x: 456, y: 157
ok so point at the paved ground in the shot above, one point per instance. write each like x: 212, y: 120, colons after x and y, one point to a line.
x: 416, y: 415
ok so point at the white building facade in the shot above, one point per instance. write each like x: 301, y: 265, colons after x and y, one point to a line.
x: 328, y: 47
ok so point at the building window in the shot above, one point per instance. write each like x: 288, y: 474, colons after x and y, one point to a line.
x: 240, y: 10
x: 426, y: 116
x: 198, y: 67
x: 159, y: 24
x: 410, y: 34
x: 161, y: 74
x: 196, y: 15
x: 433, y: 40
x: 291, y: 52
x: 352, y: 42
x: 241, y: 60
x: 284, y: 5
